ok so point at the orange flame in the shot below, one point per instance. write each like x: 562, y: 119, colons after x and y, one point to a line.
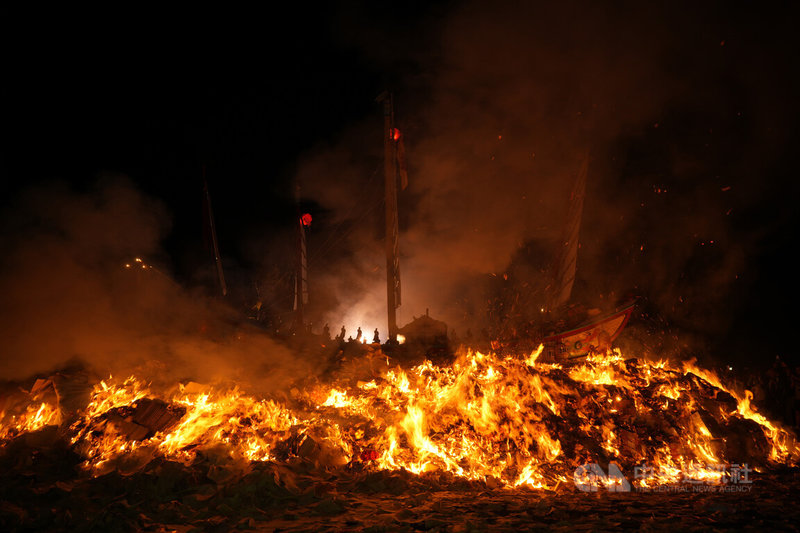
x: 511, y: 419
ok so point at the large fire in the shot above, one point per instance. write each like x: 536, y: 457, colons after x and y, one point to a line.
x: 507, y: 421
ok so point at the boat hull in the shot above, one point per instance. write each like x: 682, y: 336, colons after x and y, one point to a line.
x: 596, y: 335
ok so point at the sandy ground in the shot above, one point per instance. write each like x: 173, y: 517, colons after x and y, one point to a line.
x: 43, y: 488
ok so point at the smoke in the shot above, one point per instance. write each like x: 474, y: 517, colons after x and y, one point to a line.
x: 496, y: 132
x: 83, y: 279
x: 500, y: 104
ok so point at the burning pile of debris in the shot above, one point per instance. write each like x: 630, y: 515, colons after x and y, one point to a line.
x: 511, y: 419
x: 501, y: 422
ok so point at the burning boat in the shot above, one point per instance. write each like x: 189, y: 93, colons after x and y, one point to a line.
x: 570, y: 330
x: 594, y: 335
x: 565, y: 334
x: 167, y: 452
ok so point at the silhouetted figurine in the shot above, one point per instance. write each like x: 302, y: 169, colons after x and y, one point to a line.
x: 350, y: 338
x: 342, y: 333
x: 376, y: 338
x: 358, y: 333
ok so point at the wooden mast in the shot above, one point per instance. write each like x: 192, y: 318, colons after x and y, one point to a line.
x: 301, y: 273
x: 217, y: 258
x: 392, y: 237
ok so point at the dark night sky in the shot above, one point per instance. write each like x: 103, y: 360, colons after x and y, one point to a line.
x: 256, y: 97
x: 156, y: 102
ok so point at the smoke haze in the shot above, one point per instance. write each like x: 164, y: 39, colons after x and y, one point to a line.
x: 499, y: 109
x: 686, y: 113
x: 83, y: 280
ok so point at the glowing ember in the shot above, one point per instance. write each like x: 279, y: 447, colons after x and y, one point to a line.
x: 512, y: 420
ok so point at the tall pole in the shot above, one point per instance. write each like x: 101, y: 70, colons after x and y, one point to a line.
x: 301, y: 274
x: 301, y: 277
x: 217, y: 258
x: 392, y: 238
